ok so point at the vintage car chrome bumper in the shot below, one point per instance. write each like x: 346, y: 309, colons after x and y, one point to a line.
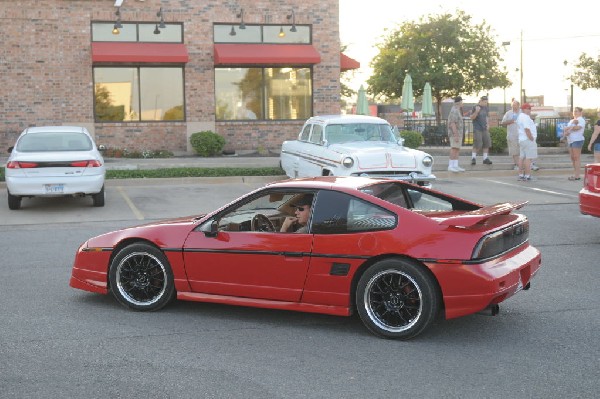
x: 413, y: 177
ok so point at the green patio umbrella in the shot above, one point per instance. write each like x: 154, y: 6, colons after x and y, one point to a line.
x: 362, y: 104
x: 427, y: 107
x: 408, y: 102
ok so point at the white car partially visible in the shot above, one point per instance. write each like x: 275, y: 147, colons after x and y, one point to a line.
x: 51, y: 161
x: 353, y: 145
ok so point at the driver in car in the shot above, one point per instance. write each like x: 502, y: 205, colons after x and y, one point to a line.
x: 298, y: 222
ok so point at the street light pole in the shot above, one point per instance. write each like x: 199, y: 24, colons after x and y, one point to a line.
x: 521, y: 71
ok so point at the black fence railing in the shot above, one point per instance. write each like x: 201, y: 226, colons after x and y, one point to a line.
x: 434, y: 134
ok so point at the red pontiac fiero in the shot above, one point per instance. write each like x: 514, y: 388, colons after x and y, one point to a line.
x: 397, y: 253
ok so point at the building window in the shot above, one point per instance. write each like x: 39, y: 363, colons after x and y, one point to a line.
x: 134, y: 94
x: 271, y: 34
x: 137, y: 32
x: 263, y: 93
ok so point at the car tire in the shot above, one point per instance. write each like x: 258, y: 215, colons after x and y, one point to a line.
x: 397, y: 298
x: 141, y: 278
x: 14, y: 202
x: 99, y: 198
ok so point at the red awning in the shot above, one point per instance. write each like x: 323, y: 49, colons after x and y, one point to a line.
x: 280, y: 54
x: 347, y: 63
x: 139, y: 52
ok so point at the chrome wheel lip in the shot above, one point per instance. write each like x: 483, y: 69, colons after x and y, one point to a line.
x: 126, y: 293
x: 368, y: 303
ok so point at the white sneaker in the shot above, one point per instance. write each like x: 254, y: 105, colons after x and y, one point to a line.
x: 453, y: 169
x: 534, y: 167
x: 460, y: 169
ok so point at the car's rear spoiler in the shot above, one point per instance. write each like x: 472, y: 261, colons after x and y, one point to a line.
x: 471, y: 218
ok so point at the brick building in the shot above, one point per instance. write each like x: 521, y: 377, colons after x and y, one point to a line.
x: 146, y: 74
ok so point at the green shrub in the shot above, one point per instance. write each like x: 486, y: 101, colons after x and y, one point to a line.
x: 207, y: 143
x: 411, y: 138
x: 498, y: 136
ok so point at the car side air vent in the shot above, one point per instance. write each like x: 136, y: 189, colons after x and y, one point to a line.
x: 339, y: 269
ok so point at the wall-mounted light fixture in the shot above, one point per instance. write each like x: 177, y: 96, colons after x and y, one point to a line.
x: 241, y: 15
x: 292, y: 16
x: 159, y: 14
x: 281, y: 32
x: 118, y: 24
x: 232, y: 32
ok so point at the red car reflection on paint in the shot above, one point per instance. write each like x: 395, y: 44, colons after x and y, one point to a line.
x: 399, y: 254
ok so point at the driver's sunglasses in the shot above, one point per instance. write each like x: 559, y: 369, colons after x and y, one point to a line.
x: 301, y: 208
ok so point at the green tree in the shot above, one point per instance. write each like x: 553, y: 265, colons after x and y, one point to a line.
x: 587, y: 72
x: 448, y: 51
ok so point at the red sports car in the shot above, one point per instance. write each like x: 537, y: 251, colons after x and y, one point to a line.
x: 397, y: 253
x: 589, y: 195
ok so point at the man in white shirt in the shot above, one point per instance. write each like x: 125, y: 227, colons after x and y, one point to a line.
x: 512, y: 132
x: 527, y: 144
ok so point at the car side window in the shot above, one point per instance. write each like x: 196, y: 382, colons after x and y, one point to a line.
x: 425, y: 202
x: 340, y: 213
x: 305, y: 133
x: 317, y: 134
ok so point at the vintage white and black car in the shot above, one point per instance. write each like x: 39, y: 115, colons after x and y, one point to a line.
x: 354, y: 145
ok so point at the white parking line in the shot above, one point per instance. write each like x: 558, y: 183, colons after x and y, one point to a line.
x: 525, y: 185
x: 133, y: 208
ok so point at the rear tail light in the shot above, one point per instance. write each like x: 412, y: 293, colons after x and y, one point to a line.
x: 21, y: 165
x: 86, y: 164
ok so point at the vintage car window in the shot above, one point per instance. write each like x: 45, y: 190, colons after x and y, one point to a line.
x: 274, y: 206
x: 305, y: 133
x: 317, y: 134
x: 339, y: 213
x: 358, y: 132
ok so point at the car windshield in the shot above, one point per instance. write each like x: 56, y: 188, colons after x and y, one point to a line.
x: 54, y: 141
x: 359, y: 132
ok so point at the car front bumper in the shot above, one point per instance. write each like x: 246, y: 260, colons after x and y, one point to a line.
x: 589, y: 202
x: 412, y: 177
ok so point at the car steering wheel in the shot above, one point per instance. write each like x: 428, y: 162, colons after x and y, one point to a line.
x: 262, y: 223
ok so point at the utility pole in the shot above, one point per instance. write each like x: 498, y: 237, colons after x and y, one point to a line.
x: 521, y: 72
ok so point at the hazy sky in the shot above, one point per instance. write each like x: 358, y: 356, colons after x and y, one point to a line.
x: 552, y: 33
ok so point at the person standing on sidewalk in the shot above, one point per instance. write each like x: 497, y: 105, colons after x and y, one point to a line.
x: 527, y: 144
x: 594, y: 144
x: 574, y: 133
x: 455, y: 134
x: 481, y: 133
x: 512, y: 132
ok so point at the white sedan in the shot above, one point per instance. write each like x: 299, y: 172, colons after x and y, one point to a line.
x: 353, y: 145
x: 50, y: 161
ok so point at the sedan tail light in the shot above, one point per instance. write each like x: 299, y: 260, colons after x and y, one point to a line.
x: 21, y: 165
x: 86, y: 164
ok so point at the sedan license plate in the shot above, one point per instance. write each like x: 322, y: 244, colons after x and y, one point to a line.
x: 54, y: 188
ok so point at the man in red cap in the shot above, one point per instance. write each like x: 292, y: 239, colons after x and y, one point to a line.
x: 527, y: 144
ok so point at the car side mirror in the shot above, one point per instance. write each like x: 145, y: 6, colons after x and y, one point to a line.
x: 210, y: 229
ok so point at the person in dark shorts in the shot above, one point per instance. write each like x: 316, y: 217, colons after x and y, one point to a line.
x: 481, y: 132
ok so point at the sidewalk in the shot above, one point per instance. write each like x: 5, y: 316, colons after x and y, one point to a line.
x: 549, y: 159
